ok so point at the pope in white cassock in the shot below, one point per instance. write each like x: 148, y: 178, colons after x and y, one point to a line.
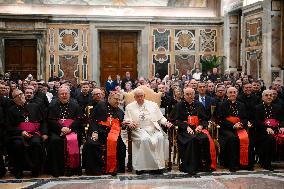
x: 150, y: 143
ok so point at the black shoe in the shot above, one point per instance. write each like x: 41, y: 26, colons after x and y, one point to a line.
x: 140, y: 172
x: 113, y: 174
x: 3, y: 173
x: 35, y: 173
x: 79, y: 172
x: 19, y: 175
x: 191, y: 173
x: 157, y: 172
x: 233, y: 169
x: 269, y: 168
x: 250, y: 168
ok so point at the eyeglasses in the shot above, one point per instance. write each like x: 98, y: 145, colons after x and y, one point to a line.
x: 20, y: 94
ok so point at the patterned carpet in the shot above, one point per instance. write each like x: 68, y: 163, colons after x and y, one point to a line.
x: 222, y: 179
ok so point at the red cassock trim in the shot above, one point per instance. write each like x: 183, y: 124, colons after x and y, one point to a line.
x: 112, y: 137
x: 244, y: 141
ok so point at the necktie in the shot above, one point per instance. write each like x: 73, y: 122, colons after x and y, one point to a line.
x: 203, y: 101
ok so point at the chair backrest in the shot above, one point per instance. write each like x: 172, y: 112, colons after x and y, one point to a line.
x: 149, y: 95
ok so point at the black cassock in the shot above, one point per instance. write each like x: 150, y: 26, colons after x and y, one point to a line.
x: 265, y: 143
x: 26, y: 153
x: 194, y: 149
x: 228, y: 137
x: 95, y: 152
x: 5, y: 103
x: 57, y: 159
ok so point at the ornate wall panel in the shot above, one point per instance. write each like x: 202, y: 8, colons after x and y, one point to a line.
x: 68, y: 67
x: 68, y: 51
x: 161, y: 39
x: 276, y: 40
x: 185, y: 40
x: 161, y: 64
x: 253, y: 32
x: 183, y: 53
x: 208, y: 41
x: 234, y: 47
x: 253, y: 43
x: 183, y: 63
x: 254, y: 61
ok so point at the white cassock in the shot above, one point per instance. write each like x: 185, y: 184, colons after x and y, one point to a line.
x: 150, y: 143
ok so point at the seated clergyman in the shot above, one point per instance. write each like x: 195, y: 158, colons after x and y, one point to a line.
x: 150, y: 143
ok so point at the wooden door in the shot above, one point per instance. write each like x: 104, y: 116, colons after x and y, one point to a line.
x: 118, y: 52
x: 21, y: 57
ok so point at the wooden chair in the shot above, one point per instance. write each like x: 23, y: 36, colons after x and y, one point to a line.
x: 154, y: 97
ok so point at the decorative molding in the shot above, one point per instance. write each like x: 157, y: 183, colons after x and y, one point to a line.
x: 40, y: 25
x: 2, y: 24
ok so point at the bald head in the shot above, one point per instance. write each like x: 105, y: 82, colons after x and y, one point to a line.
x: 64, y: 94
x: 139, y: 96
x: 189, y: 94
x: 232, y: 93
x: 267, y: 96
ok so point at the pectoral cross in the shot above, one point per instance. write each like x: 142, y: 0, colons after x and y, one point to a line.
x: 27, y: 119
x: 189, y: 119
x: 63, y: 120
x: 110, y: 120
x: 142, y: 116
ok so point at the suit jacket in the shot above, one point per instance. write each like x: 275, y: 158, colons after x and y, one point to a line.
x: 209, y: 101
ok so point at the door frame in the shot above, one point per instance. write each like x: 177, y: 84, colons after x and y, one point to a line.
x: 40, y: 36
x: 142, y: 45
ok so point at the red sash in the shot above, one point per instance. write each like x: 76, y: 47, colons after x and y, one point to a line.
x: 212, y: 150
x: 193, y: 120
x: 73, y: 160
x: 112, y: 137
x: 30, y: 127
x: 244, y: 141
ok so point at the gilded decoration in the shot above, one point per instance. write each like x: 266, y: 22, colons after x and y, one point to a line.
x: 254, y: 32
x: 68, y: 39
x: 208, y: 40
x: 184, y: 40
x: 68, y: 52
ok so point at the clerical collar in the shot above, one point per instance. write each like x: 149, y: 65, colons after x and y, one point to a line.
x: 235, y: 102
x: 265, y: 104
x: 65, y: 104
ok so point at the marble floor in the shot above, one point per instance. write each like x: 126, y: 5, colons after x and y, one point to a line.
x: 258, y: 179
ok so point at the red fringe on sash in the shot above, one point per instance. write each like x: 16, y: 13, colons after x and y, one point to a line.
x: 244, y: 141
x: 112, y: 137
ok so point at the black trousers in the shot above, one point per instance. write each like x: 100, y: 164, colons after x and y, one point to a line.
x: 26, y: 153
x: 94, y: 155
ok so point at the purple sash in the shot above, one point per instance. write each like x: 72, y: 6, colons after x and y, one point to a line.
x: 273, y: 123
x: 30, y: 127
x: 73, y: 160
